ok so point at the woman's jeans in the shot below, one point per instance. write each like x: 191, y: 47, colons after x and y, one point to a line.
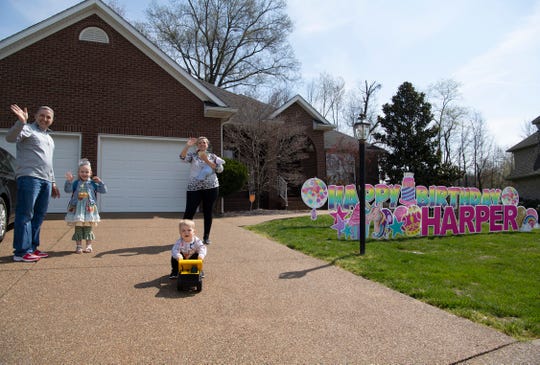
x: 208, y: 198
x: 32, y: 202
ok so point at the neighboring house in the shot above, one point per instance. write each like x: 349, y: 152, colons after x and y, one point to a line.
x: 342, y: 153
x: 295, y: 111
x: 525, y: 175
x: 122, y: 103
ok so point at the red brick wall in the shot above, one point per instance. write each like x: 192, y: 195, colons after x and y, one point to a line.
x: 100, y: 88
x: 311, y: 167
x: 315, y: 166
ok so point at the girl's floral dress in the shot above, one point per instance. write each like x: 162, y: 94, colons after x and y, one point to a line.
x: 82, y: 209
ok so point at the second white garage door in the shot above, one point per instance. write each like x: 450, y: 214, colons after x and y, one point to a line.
x: 142, y: 174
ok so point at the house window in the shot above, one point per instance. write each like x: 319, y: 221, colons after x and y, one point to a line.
x: 94, y: 34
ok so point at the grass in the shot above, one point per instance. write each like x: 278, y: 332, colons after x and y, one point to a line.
x: 493, y: 279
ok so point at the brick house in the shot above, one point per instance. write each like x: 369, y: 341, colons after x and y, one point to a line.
x: 342, y: 159
x: 123, y: 104
x: 296, y: 110
x: 525, y: 174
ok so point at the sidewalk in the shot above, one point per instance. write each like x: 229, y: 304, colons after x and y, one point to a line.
x: 261, y: 303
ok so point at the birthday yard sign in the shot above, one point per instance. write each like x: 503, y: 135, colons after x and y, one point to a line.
x: 410, y: 210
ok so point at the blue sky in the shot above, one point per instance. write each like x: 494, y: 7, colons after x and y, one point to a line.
x: 491, y: 47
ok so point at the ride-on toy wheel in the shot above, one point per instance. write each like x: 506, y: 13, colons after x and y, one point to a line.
x: 189, y: 275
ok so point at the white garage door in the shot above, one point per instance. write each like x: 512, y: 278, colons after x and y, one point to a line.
x: 142, y: 174
x: 66, y: 156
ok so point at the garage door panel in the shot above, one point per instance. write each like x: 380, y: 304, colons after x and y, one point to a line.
x: 66, y: 158
x: 142, y: 174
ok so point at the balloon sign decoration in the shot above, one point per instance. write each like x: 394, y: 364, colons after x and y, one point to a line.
x: 314, y: 195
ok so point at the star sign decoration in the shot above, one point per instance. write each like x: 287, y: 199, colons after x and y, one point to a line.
x: 339, y: 214
x: 339, y: 225
x: 396, y: 227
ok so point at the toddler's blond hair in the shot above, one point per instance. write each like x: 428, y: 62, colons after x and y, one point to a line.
x: 186, y: 222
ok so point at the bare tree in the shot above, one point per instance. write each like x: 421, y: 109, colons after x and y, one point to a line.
x: 447, y: 116
x: 267, y: 147
x: 278, y: 97
x: 362, y: 100
x: 114, y: 5
x: 481, y: 147
x: 228, y: 43
x: 527, y: 129
x: 498, y: 166
x: 464, y: 151
x: 326, y: 94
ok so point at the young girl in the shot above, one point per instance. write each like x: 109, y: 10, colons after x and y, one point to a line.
x: 82, y: 210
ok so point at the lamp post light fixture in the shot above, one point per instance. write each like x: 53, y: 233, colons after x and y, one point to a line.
x: 361, y: 131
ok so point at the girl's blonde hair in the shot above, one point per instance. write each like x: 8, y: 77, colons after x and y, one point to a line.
x: 85, y: 162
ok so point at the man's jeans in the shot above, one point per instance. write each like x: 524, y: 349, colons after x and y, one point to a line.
x: 32, y: 202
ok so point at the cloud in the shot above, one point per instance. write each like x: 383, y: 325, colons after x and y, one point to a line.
x: 504, y: 82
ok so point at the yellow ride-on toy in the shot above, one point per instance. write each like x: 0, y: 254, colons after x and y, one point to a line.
x: 190, y: 274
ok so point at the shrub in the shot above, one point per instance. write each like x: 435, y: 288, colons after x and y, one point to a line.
x: 233, y: 178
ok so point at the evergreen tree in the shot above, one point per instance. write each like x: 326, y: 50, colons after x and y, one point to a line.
x: 410, y: 137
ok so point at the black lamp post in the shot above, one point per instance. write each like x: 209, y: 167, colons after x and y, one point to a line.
x: 361, y: 131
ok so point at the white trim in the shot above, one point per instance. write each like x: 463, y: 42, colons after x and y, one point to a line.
x: 324, y: 124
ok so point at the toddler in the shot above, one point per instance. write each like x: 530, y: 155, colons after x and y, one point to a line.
x: 207, y: 170
x: 188, y: 246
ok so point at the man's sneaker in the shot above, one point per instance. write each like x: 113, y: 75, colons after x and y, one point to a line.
x: 173, y: 276
x: 28, y: 257
x: 207, y: 241
x: 41, y: 254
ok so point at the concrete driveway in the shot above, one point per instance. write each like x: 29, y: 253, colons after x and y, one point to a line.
x: 261, y: 303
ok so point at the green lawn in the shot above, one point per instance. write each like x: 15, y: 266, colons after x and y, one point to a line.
x: 489, y: 278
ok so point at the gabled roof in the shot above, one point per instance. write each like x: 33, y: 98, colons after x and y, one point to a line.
x: 319, y: 122
x: 531, y: 141
x: 336, y: 140
x: 76, y: 13
x: 536, y: 122
x: 250, y: 109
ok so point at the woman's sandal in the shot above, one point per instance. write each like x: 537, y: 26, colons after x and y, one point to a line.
x: 78, y: 249
x: 88, y: 249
